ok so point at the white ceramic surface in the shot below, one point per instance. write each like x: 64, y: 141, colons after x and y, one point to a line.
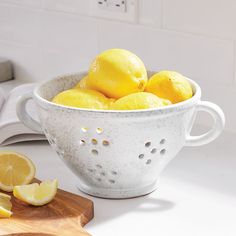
x: 117, y: 154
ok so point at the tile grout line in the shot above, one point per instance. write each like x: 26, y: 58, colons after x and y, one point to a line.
x: 234, y: 64
x: 98, y: 37
x: 162, y: 14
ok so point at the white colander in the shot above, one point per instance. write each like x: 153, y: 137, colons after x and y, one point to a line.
x: 117, y: 154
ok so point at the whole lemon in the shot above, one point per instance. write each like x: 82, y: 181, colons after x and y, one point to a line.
x: 82, y: 98
x: 170, y: 85
x: 83, y: 84
x: 117, y: 73
x: 140, y: 100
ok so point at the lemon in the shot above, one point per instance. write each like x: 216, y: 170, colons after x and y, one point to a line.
x: 82, y: 98
x: 117, y: 73
x: 4, y: 213
x: 36, y: 194
x: 5, y: 196
x: 15, y: 169
x: 83, y: 84
x: 5, y: 201
x: 5, y: 205
x: 141, y: 100
x: 170, y: 85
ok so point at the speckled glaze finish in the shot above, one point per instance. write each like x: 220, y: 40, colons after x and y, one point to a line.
x: 117, y: 154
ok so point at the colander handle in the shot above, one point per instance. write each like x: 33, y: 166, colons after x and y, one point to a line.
x: 23, y: 115
x: 218, y: 126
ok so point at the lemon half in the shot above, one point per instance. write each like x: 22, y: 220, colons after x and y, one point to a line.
x: 15, y: 169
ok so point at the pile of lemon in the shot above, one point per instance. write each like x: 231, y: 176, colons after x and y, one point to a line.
x: 117, y: 80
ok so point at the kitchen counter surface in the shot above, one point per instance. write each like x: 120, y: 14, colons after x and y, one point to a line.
x: 196, y: 193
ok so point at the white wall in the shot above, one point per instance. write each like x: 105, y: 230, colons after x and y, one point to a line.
x: 46, y: 38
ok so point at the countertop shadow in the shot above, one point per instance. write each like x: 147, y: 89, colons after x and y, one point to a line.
x: 107, y: 209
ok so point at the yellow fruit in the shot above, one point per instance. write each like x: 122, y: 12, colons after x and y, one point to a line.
x: 5, y: 196
x: 82, y: 98
x: 5, y: 201
x: 4, y: 213
x: 36, y: 194
x: 170, y: 85
x: 117, y: 73
x: 82, y: 84
x: 5, y: 205
x: 141, y: 100
x: 15, y: 169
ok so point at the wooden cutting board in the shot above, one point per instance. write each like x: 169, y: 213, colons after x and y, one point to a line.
x: 65, y: 215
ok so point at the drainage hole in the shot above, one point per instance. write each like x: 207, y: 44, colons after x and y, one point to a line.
x: 141, y: 156
x: 154, y: 150
x: 99, y: 130
x: 147, y: 144
x: 94, y: 141
x: 163, y: 151
x: 105, y: 143
x: 94, y: 152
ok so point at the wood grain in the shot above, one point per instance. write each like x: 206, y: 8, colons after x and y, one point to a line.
x: 65, y: 215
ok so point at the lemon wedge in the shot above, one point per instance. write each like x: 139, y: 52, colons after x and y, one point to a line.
x: 4, y: 213
x: 5, y: 206
x: 15, y: 169
x: 37, y: 194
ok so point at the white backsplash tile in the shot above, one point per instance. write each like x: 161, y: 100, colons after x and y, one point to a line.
x: 69, y: 61
x: 62, y: 31
x: 211, y: 17
x: 202, y: 59
x: 28, y: 3
x: 150, y: 12
x: 19, y: 24
x: 71, y: 6
x: 68, y: 43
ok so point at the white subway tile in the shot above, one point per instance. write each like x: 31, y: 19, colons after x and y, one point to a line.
x: 28, y: 3
x: 65, y: 61
x: 19, y: 24
x: 150, y: 12
x: 69, y: 42
x: 62, y: 31
x: 209, y: 17
x: 71, y: 6
x: 205, y: 60
x: 27, y: 60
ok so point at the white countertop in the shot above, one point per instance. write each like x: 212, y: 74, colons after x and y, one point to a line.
x: 196, y: 195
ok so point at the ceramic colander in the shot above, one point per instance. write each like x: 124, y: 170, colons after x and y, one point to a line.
x: 117, y: 154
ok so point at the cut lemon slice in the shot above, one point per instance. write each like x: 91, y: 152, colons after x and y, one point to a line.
x: 5, y: 201
x: 37, y: 194
x: 5, y: 196
x: 15, y: 169
x: 5, y: 205
x: 4, y: 213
